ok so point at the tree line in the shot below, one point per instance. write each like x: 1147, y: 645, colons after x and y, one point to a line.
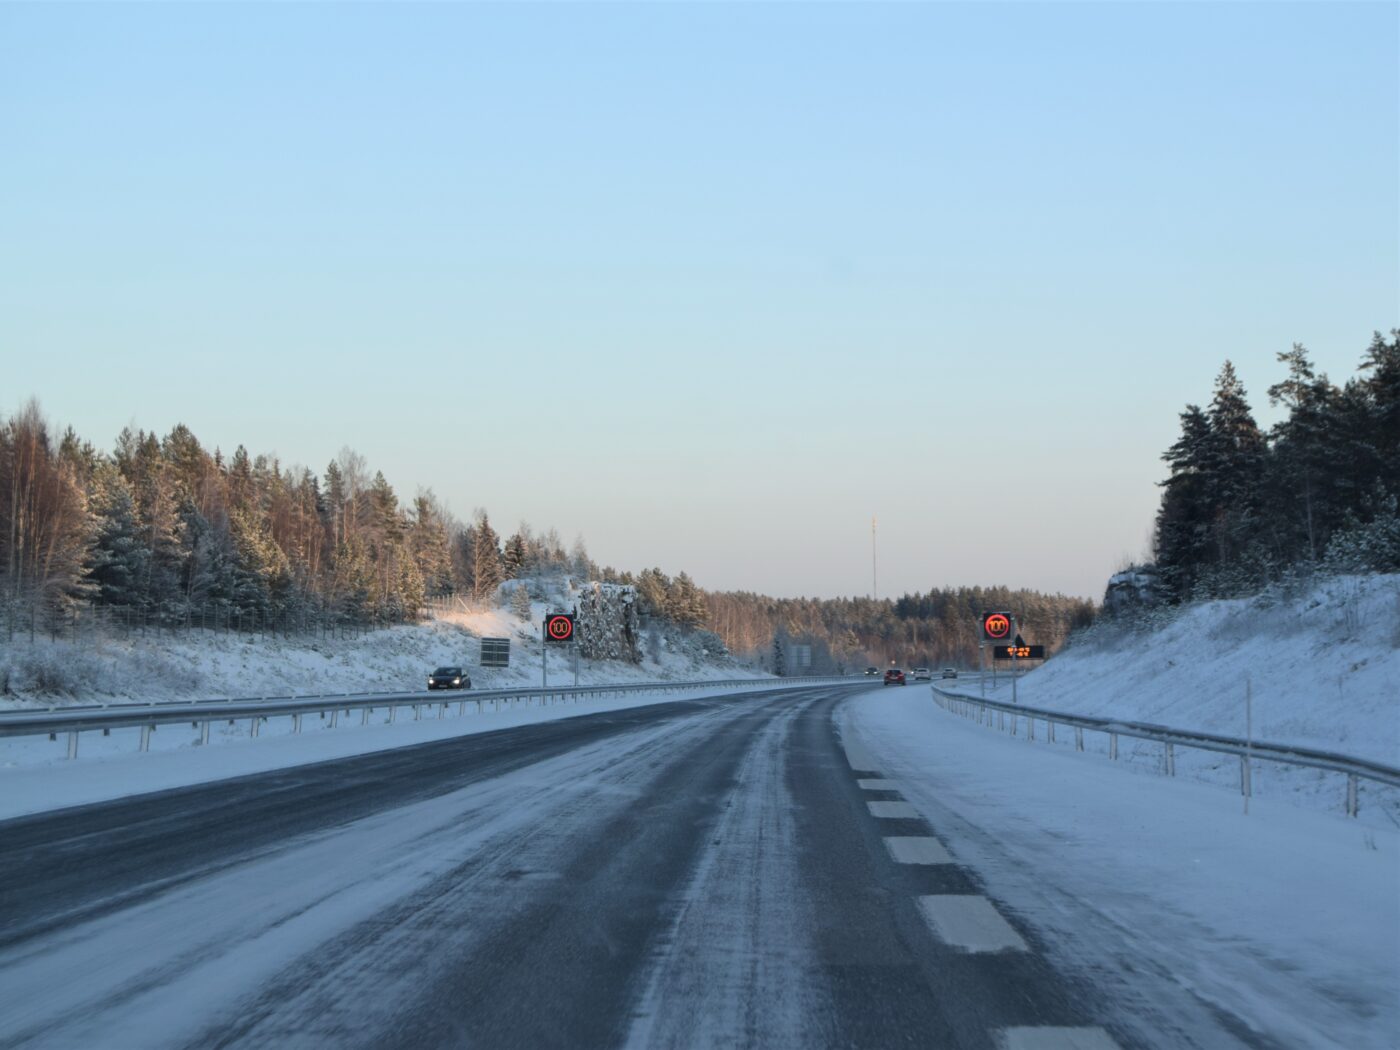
x: 935, y: 629
x: 164, y: 527
x: 1243, y: 507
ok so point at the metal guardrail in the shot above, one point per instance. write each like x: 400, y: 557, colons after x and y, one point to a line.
x: 257, y: 710
x: 1354, y: 769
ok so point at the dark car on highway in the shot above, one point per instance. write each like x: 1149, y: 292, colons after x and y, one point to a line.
x: 449, y: 678
x: 872, y: 670
x: 894, y: 676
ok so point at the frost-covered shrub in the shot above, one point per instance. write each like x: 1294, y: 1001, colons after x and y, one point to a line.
x: 1372, y: 546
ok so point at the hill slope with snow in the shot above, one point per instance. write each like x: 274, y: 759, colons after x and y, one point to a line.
x: 1323, y: 665
x: 199, y: 664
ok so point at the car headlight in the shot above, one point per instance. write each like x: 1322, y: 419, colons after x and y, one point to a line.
x: 456, y: 681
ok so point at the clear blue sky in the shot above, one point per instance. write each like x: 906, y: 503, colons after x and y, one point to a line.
x: 708, y: 284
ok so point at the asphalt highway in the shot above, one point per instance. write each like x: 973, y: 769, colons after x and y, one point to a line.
x: 720, y: 872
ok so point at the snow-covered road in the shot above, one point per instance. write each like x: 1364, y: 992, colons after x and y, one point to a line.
x: 807, y: 868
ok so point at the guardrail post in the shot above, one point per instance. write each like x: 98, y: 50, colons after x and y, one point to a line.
x: 1079, y: 738
x: 73, y: 743
x: 296, y: 722
x: 1030, y: 728
x: 1113, y: 745
x: 145, y: 738
x: 1050, y: 731
x: 253, y: 725
x: 364, y: 716
x: 392, y: 711
x: 335, y: 717
x: 1353, y: 802
x: 204, y: 732
x: 417, y: 712
x: 1246, y: 777
x: 1171, y: 759
x: 461, y: 708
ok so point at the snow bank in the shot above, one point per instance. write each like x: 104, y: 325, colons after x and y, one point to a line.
x: 1324, y: 668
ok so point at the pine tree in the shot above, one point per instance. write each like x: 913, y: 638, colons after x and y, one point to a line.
x: 117, y: 562
x: 430, y: 546
x: 515, y: 557
x: 487, y: 573
x: 520, y: 602
x: 685, y: 603
x: 1182, y: 541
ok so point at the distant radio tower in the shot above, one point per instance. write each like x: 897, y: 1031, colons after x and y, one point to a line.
x: 874, y: 565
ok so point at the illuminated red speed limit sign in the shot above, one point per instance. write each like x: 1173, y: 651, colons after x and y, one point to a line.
x: 559, y: 627
x: 997, y: 625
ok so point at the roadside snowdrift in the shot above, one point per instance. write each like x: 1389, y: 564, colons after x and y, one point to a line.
x: 1324, y: 667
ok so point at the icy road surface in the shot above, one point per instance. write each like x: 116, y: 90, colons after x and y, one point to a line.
x: 825, y: 867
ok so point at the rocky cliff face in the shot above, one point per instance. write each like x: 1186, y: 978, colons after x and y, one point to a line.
x: 1138, y: 587
x: 608, y: 625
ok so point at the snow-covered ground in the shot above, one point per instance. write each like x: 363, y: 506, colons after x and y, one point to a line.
x: 206, y: 664
x: 1158, y: 891
x: 1322, y: 669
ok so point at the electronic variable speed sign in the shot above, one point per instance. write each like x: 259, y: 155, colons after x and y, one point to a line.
x: 559, y: 627
x: 996, y: 626
x: 1018, y: 652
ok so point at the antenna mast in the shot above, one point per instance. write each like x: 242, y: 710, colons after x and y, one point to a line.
x: 874, y: 565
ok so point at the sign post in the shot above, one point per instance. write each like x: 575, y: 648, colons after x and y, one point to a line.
x: 997, y: 627
x: 1013, y: 662
x: 557, y: 627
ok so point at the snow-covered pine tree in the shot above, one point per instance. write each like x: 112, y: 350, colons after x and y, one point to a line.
x: 520, y: 601
x: 487, y: 573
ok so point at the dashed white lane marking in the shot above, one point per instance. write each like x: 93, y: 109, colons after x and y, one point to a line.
x: 1056, y: 1039
x: 917, y: 849
x: 876, y: 785
x: 859, y: 756
x: 970, y: 924
x: 892, y: 809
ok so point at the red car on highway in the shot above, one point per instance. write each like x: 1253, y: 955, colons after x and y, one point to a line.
x: 894, y: 676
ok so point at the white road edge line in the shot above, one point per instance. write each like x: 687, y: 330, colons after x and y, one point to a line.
x: 1049, y: 1038
x: 877, y: 785
x: 917, y: 849
x: 970, y: 923
x: 893, y: 810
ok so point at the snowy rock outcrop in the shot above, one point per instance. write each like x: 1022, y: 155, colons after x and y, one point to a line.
x: 1137, y: 587
x: 608, y: 625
